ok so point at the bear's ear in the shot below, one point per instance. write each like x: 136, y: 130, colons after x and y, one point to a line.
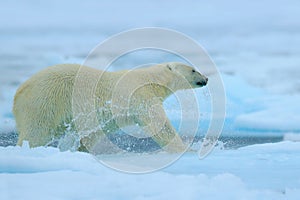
x: 168, y: 66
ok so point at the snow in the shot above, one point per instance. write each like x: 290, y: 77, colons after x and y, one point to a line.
x: 47, y: 173
x: 254, y: 44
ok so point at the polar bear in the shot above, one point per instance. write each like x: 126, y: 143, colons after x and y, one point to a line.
x: 60, y: 98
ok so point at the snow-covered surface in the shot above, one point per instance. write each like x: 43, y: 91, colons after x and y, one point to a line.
x: 267, y: 171
x: 255, y: 45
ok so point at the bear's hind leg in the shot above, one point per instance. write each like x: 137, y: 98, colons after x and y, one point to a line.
x: 35, y: 137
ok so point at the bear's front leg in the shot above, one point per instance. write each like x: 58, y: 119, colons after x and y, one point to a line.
x: 162, y: 131
x: 168, y: 139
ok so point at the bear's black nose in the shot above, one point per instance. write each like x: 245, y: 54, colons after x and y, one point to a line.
x: 202, y: 83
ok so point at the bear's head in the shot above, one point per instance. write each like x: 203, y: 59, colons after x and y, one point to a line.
x: 184, y: 76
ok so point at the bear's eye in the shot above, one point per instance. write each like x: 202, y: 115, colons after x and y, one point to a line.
x: 169, y: 67
x: 193, y: 70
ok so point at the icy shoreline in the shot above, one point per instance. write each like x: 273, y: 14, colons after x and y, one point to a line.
x: 266, y: 171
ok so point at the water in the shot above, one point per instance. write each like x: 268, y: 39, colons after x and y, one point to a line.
x: 138, y: 145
